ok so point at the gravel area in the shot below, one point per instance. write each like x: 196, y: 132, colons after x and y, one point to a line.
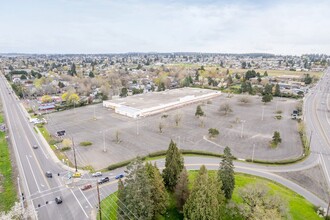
x: 311, y: 179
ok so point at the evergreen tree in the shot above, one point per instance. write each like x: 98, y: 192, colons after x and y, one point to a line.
x: 203, y: 201
x: 226, y: 173
x: 121, y: 198
x: 277, y: 90
x: 267, y: 93
x: 91, y: 74
x: 173, y: 166
x: 137, y: 193
x: 159, y: 194
x: 181, y: 189
x: 276, y: 138
x: 72, y: 70
x: 267, y: 98
x: 199, y: 112
x: 229, y: 80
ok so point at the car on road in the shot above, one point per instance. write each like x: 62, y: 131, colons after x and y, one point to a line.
x: 86, y: 187
x: 49, y: 174
x: 119, y: 176
x: 97, y: 174
x: 58, y: 200
x: 76, y: 175
x: 103, y: 180
x: 35, y: 146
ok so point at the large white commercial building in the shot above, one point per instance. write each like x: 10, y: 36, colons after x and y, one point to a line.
x: 143, y: 105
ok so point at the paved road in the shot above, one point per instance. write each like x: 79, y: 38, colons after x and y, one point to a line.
x: 79, y: 204
x: 33, y: 163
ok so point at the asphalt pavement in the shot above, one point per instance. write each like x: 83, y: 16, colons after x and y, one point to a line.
x: 40, y: 191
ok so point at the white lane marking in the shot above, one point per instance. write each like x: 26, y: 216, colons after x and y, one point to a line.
x: 43, y: 195
x: 34, y: 177
x: 79, y: 203
x: 43, y: 151
x: 325, y: 168
x: 86, y: 198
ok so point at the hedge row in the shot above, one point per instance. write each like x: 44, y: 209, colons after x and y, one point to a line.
x: 163, y: 153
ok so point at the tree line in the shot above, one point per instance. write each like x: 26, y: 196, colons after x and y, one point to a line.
x: 144, y: 193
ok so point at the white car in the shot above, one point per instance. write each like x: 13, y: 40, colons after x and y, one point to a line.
x: 96, y: 174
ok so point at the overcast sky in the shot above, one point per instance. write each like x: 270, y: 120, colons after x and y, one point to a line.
x: 118, y: 26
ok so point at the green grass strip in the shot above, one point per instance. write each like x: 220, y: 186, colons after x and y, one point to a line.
x: 8, y: 195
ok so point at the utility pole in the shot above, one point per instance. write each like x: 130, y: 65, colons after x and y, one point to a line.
x: 74, y: 155
x: 98, y: 197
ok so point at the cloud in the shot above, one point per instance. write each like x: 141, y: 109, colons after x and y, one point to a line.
x: 105, y: 26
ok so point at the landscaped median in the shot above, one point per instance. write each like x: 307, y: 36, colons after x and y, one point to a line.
x: 8, y: 195
x: 298, y: 207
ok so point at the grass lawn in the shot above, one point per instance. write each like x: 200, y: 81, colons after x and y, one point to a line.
x: 7, y: 188
x: 275, y: 72
x: 298, y: 207
x: 109, y: 207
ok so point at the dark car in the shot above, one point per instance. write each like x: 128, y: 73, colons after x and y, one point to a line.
x: 88, y: 186
x: 58, y: 200
x: 49, y: 174
x: 103, y: 180
x: 119, y: 176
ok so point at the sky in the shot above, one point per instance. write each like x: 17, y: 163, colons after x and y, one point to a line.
x: 287, y: 27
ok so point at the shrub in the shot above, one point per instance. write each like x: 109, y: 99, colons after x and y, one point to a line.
x: 65, y: 148
x: 85, y: 143
x: 278, y: 117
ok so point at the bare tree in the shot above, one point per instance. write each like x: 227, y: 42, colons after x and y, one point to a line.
x: 244, y: 99
x: 202, y: 121
x: 117, y: 137
x: 160, y: 127
x: 177, y: 119
x: 225, y: 108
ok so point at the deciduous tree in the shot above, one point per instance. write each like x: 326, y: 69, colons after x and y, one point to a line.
x: 258, y: 203
x: 226, y: 108
x: 213, y: 132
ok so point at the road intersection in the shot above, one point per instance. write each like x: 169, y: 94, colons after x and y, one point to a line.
x: 40, y: 191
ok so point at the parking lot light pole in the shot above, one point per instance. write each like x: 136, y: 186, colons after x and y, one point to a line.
x: 104, y: 149
x: 242, y: 121
x: 262, y: 114
x: 137, y: 125
x: 94, y: 113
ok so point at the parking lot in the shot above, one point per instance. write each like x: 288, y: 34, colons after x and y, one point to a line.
x: 247, y: 130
